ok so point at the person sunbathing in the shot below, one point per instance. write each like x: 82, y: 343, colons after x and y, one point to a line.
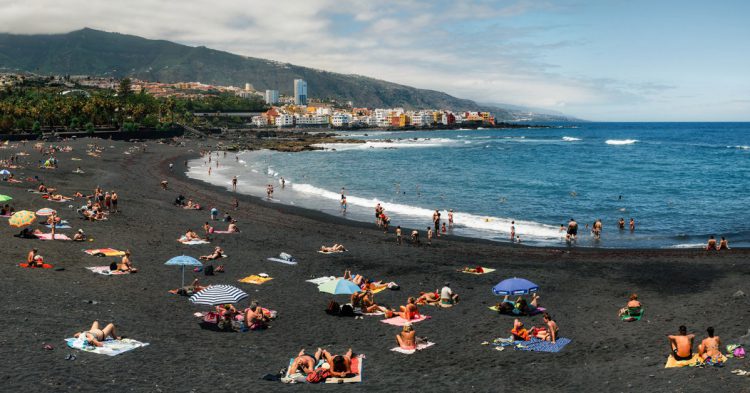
x: 365, y: 301
x: 429, y: 298
x: 304, y: 362
x: 406, y: 338
x: 218, y: 253
x: 191, y: 289
x: 633, y: 303
x: 549, y: 332
x: 56, y: 197
x: 522, y: 307
x: 94, y: 336
x: 78, y: 194
x: 357, y: 279
x: 42, y: 188
x: 189, y: 204
x: 709, y: 348
x: 340, y: 364
x: 519, y: 332
x: 477, y: 269
x: 255, y: 318
x: 334, y: 248
x: 125, y: 265
x: 410, y: 310
x: 682, y: 344
x: 232, y: 228
x: 79, y: 236
x: 208, y: 228
x: 190, y: 235
x: 34, y: 259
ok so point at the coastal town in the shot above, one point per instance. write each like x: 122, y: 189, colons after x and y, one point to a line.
x: 297, y: 110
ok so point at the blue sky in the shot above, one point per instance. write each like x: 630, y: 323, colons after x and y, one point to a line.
x: 598, y: 60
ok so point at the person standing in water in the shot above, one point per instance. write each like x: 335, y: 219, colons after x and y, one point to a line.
x: 436, y: 220
x: 572, y: 230
x: 234, y: 183
x: 621, y: 224
x: 283, y: 182
x: 632, y: 224
x: 450, y: 218
x: 343, y: 205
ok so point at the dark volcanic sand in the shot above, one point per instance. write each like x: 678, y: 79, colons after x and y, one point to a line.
x: 583, y: 289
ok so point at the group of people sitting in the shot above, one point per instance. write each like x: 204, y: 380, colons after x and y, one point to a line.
x: 444, y: 297
x: 7, y: 210
x: 254, y: 317
x: 231, y: 228
x: 549, y: 332
x: 709, y: 349
x: 722, y: 245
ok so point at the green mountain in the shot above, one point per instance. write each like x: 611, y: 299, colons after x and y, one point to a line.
x: 94, y: 52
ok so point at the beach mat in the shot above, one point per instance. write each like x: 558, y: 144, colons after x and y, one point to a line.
x: 105, y: 252
x: 284, y: 261
x: 44, y: 266
x: 48, y: 236
x: 104, y: 270
x: 224, y: 232
x: 356, y: 369
x: 331, y: 252
x: 110, y: 347
x: 255, y: 279
x: 627, y: 318
x: 398, y: 321
x: 421, y: 346
x: 537, y: 345
x: 321, y: 280
x: 538, y: 310
x: 486, y: 270
x: 672, y: 363
x: 60, y: 226
x: 194, y: 242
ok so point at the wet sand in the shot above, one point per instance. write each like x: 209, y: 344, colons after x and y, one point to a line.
x: 581, y: 288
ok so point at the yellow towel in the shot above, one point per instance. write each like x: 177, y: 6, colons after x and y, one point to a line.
x: 255, y: 279
x: 671, y: 362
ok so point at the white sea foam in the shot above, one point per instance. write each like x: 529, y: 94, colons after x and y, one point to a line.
x: 570, y: 139
x: 741, y: 147
x: 485, y: 223
x: 382, y: 144
x: 688, y: 245
x: 621, y: 141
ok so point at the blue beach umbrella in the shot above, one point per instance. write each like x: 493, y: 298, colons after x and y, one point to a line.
x: 5, y: 172
x: 515, y: 286
x: 339, y: 287
x: 183, y: 260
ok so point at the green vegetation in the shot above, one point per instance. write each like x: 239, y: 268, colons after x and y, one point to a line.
x: 33, y: 108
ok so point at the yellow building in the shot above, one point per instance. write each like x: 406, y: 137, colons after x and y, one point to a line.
x: 404, y: 120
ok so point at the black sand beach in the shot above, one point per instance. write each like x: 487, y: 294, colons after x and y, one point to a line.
x: 582, y: 288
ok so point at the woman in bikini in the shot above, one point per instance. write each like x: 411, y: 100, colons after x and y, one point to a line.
x: 218, y: 253
x: 232, y: 228
x: 709, y: 348
x: 550, y: 332
x: 432, y: 298
x: 410, y: 310
x: 125, y: 265
x: 95, y: 335
x: 406, y: 339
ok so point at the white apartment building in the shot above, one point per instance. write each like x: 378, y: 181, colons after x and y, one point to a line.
x: 341, y: 119
x: 284, y: 120
x: 259, y: 121
x: 419, y: 119
x: 312, y: 120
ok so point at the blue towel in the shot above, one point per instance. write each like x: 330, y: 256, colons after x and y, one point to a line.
x: 537, y: 345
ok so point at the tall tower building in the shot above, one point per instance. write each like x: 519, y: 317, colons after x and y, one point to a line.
x: 272, y: 97
x: 300, y: 92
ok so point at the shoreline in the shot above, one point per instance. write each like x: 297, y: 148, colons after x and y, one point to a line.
x: 582, y: 288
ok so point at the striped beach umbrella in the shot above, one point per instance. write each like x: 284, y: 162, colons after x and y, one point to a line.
x: 45, y: 212
x: 218, y: 294
x: 22, y: 219
x: 5, y: 198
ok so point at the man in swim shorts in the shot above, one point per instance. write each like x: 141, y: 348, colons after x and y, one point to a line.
x: 682, y: 344
x: 572, y: 229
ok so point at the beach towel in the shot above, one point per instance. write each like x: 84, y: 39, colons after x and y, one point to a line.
x: 59, y: 200
x: 224, y: 232
x: 628, y: 318
x: 48, y: 236
x: 110, y: 348
x: 331, y: 252
x: 371, y: 314
x: 537, y: 345
x: 536, y: 311
x: 193, y: 242
x: 672, y: 363
x: 420, y: 346
x: 398, y: 321
x: 255, y: 279
x: 320, y: 280
x: 105, y: 271
x: 105, y: 252
x: 486, y: 270
x: 356, y: 369
x: 44, y: 266
x: 284, y: 261
x: 59, y: 226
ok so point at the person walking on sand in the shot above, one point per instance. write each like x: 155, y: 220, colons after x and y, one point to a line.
x: 429, y: 235
x: 171, y: 167
x: 114, y: 201
x: 512, y: 230
x: 415, y: 237
x: 234, y: 183
x: 398, y: 234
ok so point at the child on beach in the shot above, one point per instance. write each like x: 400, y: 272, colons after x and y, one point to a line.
x: 429, y: 235
x: 398, y: 234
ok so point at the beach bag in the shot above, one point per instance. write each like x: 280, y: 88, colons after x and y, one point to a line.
x: 346, y: 311
x: 318, y: 375
x: 209, y: 270
x: 333, y: 308
x: 739, y: 352
x: 113, y: 266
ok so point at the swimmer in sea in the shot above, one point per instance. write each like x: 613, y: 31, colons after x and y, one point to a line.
x: 621, y: 224
x: 632, y: 224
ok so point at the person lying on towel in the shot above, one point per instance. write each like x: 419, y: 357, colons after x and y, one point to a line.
x: 333, y: 248
x: 429, y: 297
x: 94, y: 336
x: 218, y: 253
x: 304, y: 363
x: 682, y: 344
x: 477, y: 269
x: 519, y: 307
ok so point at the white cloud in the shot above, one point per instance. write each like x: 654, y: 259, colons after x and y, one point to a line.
x: 469, y: 49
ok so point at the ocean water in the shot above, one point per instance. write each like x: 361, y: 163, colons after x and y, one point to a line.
x: 681, y: 182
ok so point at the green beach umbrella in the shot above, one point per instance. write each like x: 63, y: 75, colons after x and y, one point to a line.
x: 5, y: 198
